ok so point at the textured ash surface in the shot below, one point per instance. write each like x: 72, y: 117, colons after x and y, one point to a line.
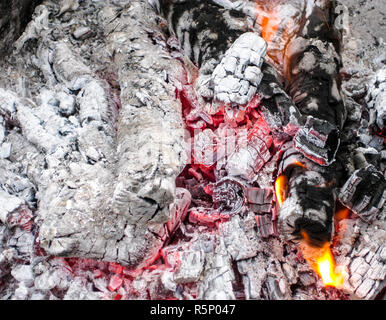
x: 89, y: 208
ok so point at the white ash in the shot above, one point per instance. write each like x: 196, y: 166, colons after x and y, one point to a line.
x: 376, y: 98
x: 73, y: 124
x: 237, y: 76
x: 365, y: 263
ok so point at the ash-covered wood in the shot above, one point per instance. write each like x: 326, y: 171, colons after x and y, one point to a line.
x: 312, y: 74
x: 150, y: 135
x: 94, y: 186
x: 365, y: 193
x: 376, y: 99
x: 309, y: 208
x: 236, y: 77
x: 318, y: 140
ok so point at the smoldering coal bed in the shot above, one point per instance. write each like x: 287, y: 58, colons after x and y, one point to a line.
x: 192, y: 150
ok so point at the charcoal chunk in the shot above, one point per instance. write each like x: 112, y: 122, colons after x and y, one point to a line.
x: 365, y: 193
x: 318, y: 140
x: 259, y: 199
x: 266, y: 226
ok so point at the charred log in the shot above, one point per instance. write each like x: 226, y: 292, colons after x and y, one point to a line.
x: 204, y: 30
x: 310, y: 196
x: 312, y: 74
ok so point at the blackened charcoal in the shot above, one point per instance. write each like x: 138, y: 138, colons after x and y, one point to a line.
x: 259, y: 200
x: 15, y: 16
x: 312, y: 74
x: 365, y: 193
x: 309, y: 208
x: 313, y: 83
x: 265, y: 225
x: 292, y: 161
x: 318, y: 140
x: 277, y: 107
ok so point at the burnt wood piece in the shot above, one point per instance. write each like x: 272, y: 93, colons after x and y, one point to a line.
x: 120, y: 209
x: 309, y: 208
x: 310, y: 202
x: 376, y: 99
x: 259, y: 200
x: 365, y: 193
x: 236, y: 77
x: 228, y: 196
x: 312, y: 73
x: 318, y: 140
x: 312, y: 81
x: 217, y: 41
x: 266, y: 225
x: 277, y: 108
x: 204, y: 30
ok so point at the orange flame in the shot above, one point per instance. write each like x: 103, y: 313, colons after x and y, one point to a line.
x: 322, y: 262
x: 281, y: 184
x: 326, y: 269
x: 342, y: 214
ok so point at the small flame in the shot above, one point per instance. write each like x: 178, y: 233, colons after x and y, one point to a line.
x: 326, y: 269
x: 281, y: 184
x: 322, y: 262
x: 342, y: 214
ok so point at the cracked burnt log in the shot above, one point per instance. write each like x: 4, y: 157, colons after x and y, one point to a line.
x: 143, y: 141
x: 309, y: 197
x: 216, y: 40
x: 365, y: 193
x: 204, y: 31
x: 311, y: 71
x: 312, y: 68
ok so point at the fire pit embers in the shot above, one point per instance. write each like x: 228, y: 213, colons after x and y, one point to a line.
x: 228, y: 246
